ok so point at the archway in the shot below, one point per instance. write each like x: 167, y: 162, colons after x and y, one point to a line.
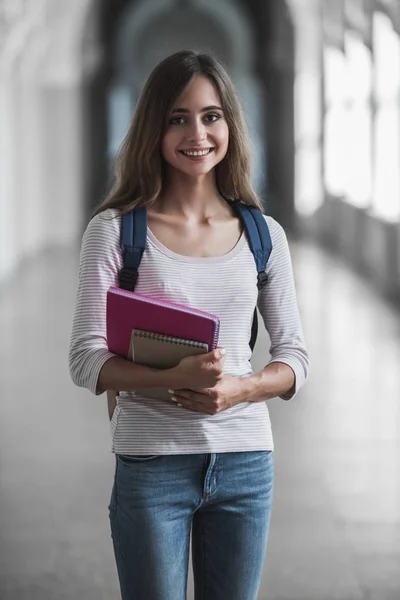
x: 222, y: 28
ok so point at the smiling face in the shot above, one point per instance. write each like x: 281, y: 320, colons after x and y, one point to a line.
x: 196, y: 136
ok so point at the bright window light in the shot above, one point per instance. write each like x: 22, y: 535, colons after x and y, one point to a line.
x: 386, y: 185
x: 335, y: 125
x: 308, y: 188
x: 358, y: 163
x: 348, y: 121
x: 358, y: 160
x: 335, y: 150
x: 335, y: 75
x: 386, y: 202
x: 119, y: 116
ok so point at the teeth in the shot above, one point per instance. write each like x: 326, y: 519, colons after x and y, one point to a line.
x: 194, y: 153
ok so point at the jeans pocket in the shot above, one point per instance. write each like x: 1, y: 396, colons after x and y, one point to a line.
x: 136, y: 458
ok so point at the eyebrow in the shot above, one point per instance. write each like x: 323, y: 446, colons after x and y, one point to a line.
x: 205, y: 109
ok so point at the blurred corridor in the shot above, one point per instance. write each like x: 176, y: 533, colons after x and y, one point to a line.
x: 320, y: 85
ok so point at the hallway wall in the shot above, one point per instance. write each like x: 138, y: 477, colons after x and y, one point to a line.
x: 348, y: 134
x: 41, y: 159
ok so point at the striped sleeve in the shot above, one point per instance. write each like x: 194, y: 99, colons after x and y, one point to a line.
x: 277, y: 303
x: 100, y: 261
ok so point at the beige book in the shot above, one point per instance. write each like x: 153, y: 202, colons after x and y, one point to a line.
x: 161, y: 352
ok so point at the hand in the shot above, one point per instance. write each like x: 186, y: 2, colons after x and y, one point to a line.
x: 202, y: 370
x: 211, y: 401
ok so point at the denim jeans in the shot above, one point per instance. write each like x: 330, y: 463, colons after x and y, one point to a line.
x: 222, y: 500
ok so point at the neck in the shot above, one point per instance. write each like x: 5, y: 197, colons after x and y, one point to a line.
x: 191, y: 197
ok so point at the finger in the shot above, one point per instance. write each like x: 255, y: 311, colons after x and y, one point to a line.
x: 215, y: 355
x: 219, y: 353
x: 183, y: 401
x: 175, y: 399
x: 194, y: 407
x: 189, y: 404
x: 181, y: 393
x: 192, y: 395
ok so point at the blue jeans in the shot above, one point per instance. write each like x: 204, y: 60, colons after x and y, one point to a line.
x: 223, y: 500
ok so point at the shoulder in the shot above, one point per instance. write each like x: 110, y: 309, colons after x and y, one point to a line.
x: 280, y: 254
x: 102, y: 237
x: 278, y: 235
x: 105, y: 224
x: 104, y: 228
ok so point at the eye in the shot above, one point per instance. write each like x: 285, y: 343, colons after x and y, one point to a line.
x: 176, y: 121
x: 212, y: 117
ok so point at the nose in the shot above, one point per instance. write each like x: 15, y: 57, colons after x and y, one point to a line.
x: 197, y: 132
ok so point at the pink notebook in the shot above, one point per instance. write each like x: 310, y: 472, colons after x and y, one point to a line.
x: 128, y: 310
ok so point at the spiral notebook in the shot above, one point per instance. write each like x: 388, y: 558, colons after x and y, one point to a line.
x: 128, y: 311
x: 161, y: 352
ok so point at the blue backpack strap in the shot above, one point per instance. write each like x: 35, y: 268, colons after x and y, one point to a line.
x: 259, y: 239
x: 133, y: 243
x: 134, y: 236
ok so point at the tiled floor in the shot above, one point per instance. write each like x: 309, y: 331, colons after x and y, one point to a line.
x: 335, y: 531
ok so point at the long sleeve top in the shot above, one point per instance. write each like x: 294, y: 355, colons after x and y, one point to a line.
x: 223, y: 285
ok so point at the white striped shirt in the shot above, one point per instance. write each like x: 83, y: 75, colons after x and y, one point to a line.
x: 223, y: 285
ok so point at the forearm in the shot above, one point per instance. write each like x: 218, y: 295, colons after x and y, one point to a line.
x: 121, y: 374
x: 274, y: 380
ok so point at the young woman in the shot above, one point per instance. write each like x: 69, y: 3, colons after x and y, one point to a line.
x: 202, y: 463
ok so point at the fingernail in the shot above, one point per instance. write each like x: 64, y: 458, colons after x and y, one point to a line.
x: 222, y: 351
x: 179, y: 405
x: 171, y: 392
x: 174, y: 399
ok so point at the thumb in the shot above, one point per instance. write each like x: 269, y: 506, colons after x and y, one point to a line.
x: 218, y: 353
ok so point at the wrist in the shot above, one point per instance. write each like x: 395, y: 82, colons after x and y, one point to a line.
x: 276, y: 379
x: 245, y: 389
x: 167, y: 378
x: 249, y: 388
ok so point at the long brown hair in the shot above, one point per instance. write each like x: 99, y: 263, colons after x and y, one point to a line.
x: 139, y: 165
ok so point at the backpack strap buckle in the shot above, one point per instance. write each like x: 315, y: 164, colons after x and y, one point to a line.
x: 262, y: 279
x: 133, y: 244
x: 128, y: 278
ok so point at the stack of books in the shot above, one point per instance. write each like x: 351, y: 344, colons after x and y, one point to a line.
x: 157, y: 333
